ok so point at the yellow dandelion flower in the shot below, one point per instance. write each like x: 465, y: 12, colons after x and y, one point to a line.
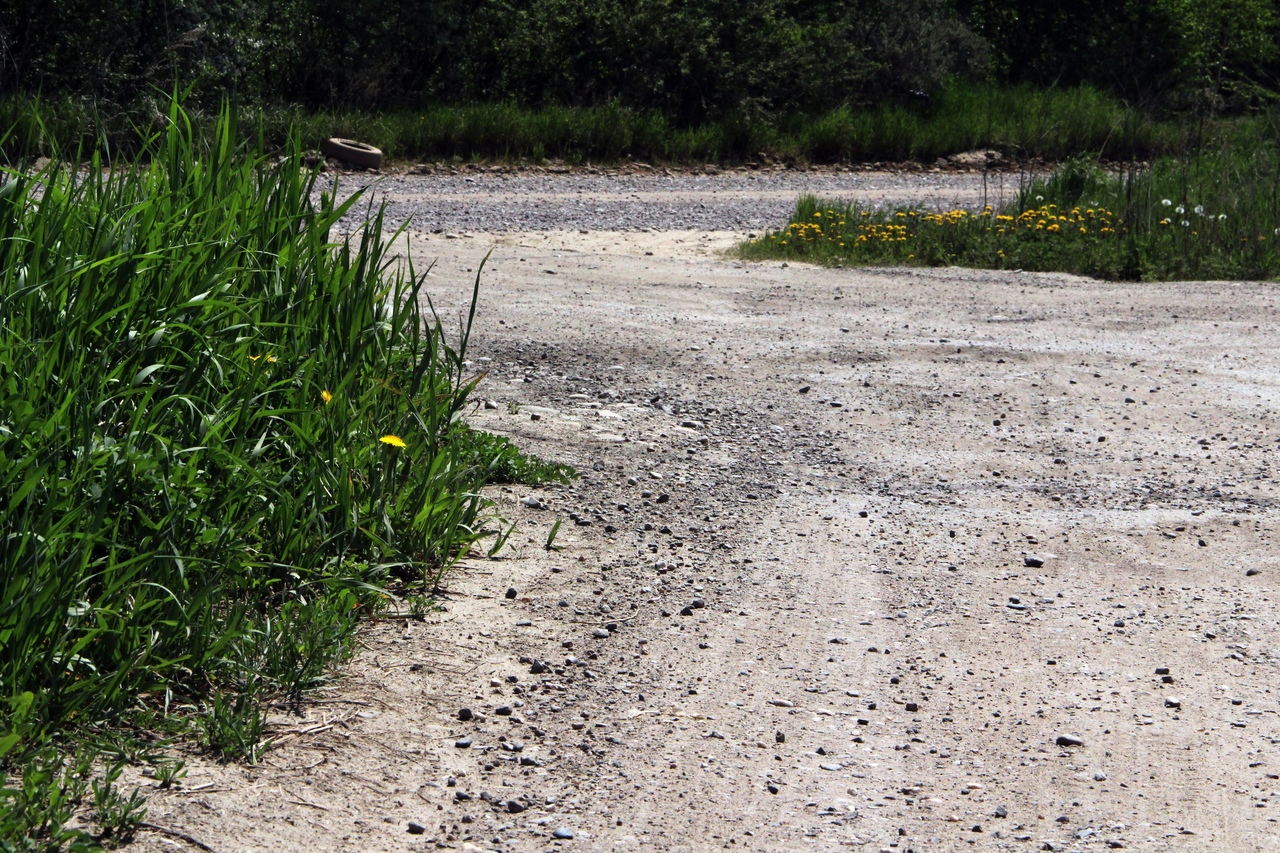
x: 393, y: 440
x: 327, y: 397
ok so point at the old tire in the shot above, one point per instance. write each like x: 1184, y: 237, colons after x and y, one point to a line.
x: 354, y: 153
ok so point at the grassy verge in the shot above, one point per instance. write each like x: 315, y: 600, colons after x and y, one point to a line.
x: 1021, y: 121
x: 1216, y: 216
x: 224, y: 436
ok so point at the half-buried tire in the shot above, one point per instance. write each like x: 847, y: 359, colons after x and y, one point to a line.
x: 353, y: 153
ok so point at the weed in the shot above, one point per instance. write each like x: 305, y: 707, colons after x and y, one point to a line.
x: 37, y: 806
x: 169, y: 774
x: 1214, y: 215
x: 1021, y: 121
x: 224, y: 430
x: 551, y: 537
x: 234, y: 725
x: 503, y: 462
x: 118, y: 817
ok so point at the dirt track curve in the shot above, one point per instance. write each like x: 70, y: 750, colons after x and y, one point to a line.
x: 860, y: 559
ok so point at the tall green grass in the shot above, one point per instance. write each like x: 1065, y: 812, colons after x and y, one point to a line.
x: 1215, y: 215
x: 225, y: 431
x: 1021, y: 121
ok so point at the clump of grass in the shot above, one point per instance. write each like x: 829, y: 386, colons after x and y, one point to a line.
x: 224, y: 431
x: 1215, y: 216
x: 1020, y: 121
x: 503, y: 462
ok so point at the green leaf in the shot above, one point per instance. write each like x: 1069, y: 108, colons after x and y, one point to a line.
x: 142, y: 374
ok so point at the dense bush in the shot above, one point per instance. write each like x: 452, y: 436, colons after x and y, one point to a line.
x: 1210, y: 55
x: 688, y: 60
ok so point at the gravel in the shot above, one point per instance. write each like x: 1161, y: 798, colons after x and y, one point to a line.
x: 734, y: 201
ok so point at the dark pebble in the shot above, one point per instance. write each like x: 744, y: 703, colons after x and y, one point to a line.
x: 772, y: 789
x: 503, y: 710
x: 1069, y: 740
x: 562, y: 833
x: 515, y: 806
x: 1031, y: 561
x: 697, y: 604
x: 600, y: 634
x: 912, y: 707
x: 511, y: 592
x: 779, y: 737
x: 462, y: 742
x: 538, y: 668
x: 1001, y: 811
x: 465, y: 714
x: 416, y: 828
x: 686, y: 611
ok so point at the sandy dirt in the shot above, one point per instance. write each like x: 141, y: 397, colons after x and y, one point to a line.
x: 860, y: 559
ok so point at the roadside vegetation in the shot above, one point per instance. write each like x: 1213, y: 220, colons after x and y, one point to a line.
x: 700, y: 81
x: 1215, y: 215
x: 1021, y: 123
x: 229, y: 432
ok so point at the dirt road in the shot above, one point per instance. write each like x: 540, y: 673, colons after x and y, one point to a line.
x: 873, y: 560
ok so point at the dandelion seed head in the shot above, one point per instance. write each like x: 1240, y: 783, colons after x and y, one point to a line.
x: 1166, y: 202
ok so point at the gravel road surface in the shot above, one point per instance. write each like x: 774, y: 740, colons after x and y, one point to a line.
x: 734, y: 201
x: 885, y: 560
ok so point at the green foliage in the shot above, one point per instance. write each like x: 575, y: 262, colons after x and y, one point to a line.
x: 225, y: 428
x: 1204, y: 55
x: 692, y: 62
x: 688, y: 60
x: 1212, y: 216
x: 503, y: 462
x: 233, y: 726
x: 38, y: 803
x: 1019, y: 120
